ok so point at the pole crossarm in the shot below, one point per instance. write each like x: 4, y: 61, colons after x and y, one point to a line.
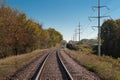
x: 98, y: 17
x: 93, y: 7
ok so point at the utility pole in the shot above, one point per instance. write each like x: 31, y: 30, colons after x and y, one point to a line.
x: 99, y: 30
x: 79, y: 31
x: 99, y: 27
x: 71, y: 38
x: 75, y: 35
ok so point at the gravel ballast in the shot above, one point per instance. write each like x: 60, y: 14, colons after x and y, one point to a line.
x: 27, y: 72
x: 77, y: 71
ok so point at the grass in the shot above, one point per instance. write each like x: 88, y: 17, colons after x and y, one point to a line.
x: 106, y: 67
x: 10, y: 65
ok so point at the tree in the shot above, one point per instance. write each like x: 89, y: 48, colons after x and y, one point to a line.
x: 110, y: 37
x: 55, y: 36
x: 18, y: 34
x: 45, y: 39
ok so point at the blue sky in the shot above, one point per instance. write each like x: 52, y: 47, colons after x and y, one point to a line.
x: 64, y: 15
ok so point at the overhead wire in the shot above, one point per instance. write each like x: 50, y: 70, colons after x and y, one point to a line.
x: 93, y: 21
x: 105, y: 3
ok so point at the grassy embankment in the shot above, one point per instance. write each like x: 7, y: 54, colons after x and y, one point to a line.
x: 10, y: 65
x: 106, y: 67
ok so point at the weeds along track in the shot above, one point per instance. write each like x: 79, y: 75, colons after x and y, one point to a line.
x: 77, y: 71
x: 52, y: 68
x: 29, y: 69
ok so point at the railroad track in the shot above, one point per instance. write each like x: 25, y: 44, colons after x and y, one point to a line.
x: 52, y: 68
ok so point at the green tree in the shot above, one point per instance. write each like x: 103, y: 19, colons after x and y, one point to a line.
x: 18, y: 34
x: 55, y: 37
x: 110, y: 37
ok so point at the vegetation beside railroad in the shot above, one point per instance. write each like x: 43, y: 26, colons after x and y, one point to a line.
x: 19, y: 34
x: 9, y: 65
x: 106, y: 67
x: 110, y: 35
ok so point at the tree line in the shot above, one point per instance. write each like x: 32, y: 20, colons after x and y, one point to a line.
x: 19, y: 35
x: 111, y: 37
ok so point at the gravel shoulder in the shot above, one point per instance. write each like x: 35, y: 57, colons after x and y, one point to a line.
x: 77, y: 71
x: 29, y: 70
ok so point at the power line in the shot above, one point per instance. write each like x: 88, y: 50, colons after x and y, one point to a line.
x: 91, y: 21
x: 107, y: 2
x: 112, y: 10
x: 87, y: 25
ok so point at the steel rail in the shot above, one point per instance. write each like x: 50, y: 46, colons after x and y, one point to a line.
x: 69, y: 76
x: 67, y: 73
x: 43, y: 63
